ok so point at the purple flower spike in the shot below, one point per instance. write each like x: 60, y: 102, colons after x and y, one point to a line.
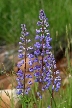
x: 22, y: 48
x: 43, y: 72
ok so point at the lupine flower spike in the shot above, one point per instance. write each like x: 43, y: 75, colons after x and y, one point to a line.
x: 23, y: 48
x: 44, y: 72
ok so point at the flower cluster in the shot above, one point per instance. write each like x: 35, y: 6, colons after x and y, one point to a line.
x: 23, y: 48
x: 44, y: 72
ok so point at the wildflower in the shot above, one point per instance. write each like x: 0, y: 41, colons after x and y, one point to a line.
x: 49, y: 106
x: 30, y: 83
x: 19, y: 92
x: 28, y: 76
x: 44, y: 70
x: 22, y: 48
x: 43, y: 41
x: 38, y: 94
x: 27, y: 90
x: 31, y: 69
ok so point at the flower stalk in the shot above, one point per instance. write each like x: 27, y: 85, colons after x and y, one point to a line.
x: 23, y: 48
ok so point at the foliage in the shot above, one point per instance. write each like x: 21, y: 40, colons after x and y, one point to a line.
x: 14, y: 12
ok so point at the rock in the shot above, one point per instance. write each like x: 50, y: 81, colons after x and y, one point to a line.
x: 6, y: 97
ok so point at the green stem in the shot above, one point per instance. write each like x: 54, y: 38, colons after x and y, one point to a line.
x: 52, y: 97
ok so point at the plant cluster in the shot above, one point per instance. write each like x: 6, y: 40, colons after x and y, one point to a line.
x: 43, y: 72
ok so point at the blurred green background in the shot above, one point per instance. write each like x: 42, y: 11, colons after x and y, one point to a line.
x: 15, y: 12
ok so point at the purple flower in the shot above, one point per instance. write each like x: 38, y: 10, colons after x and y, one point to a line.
x: 37, y: 31
x: 37, y: 37
x: 43, y: 88
x: 31, y: 56
x: 19, y: 87
x: 31, y: 69
x: 49, y: 106
x: 47, y: 63
x: 21, y: 56
x: 30, y: 62
x: 23, y: 48
x: 37, y: 45
x: 39, y: 23
x: 20, y: 43
x: 39, y: 95
x: 37, y: 74
x: 36, y: 60
x: 19, y: 92
x: 28, y: 76
x: 37, y: 52
x: 26, y: 92
x: 30, y: 83
x: 43, y: 71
